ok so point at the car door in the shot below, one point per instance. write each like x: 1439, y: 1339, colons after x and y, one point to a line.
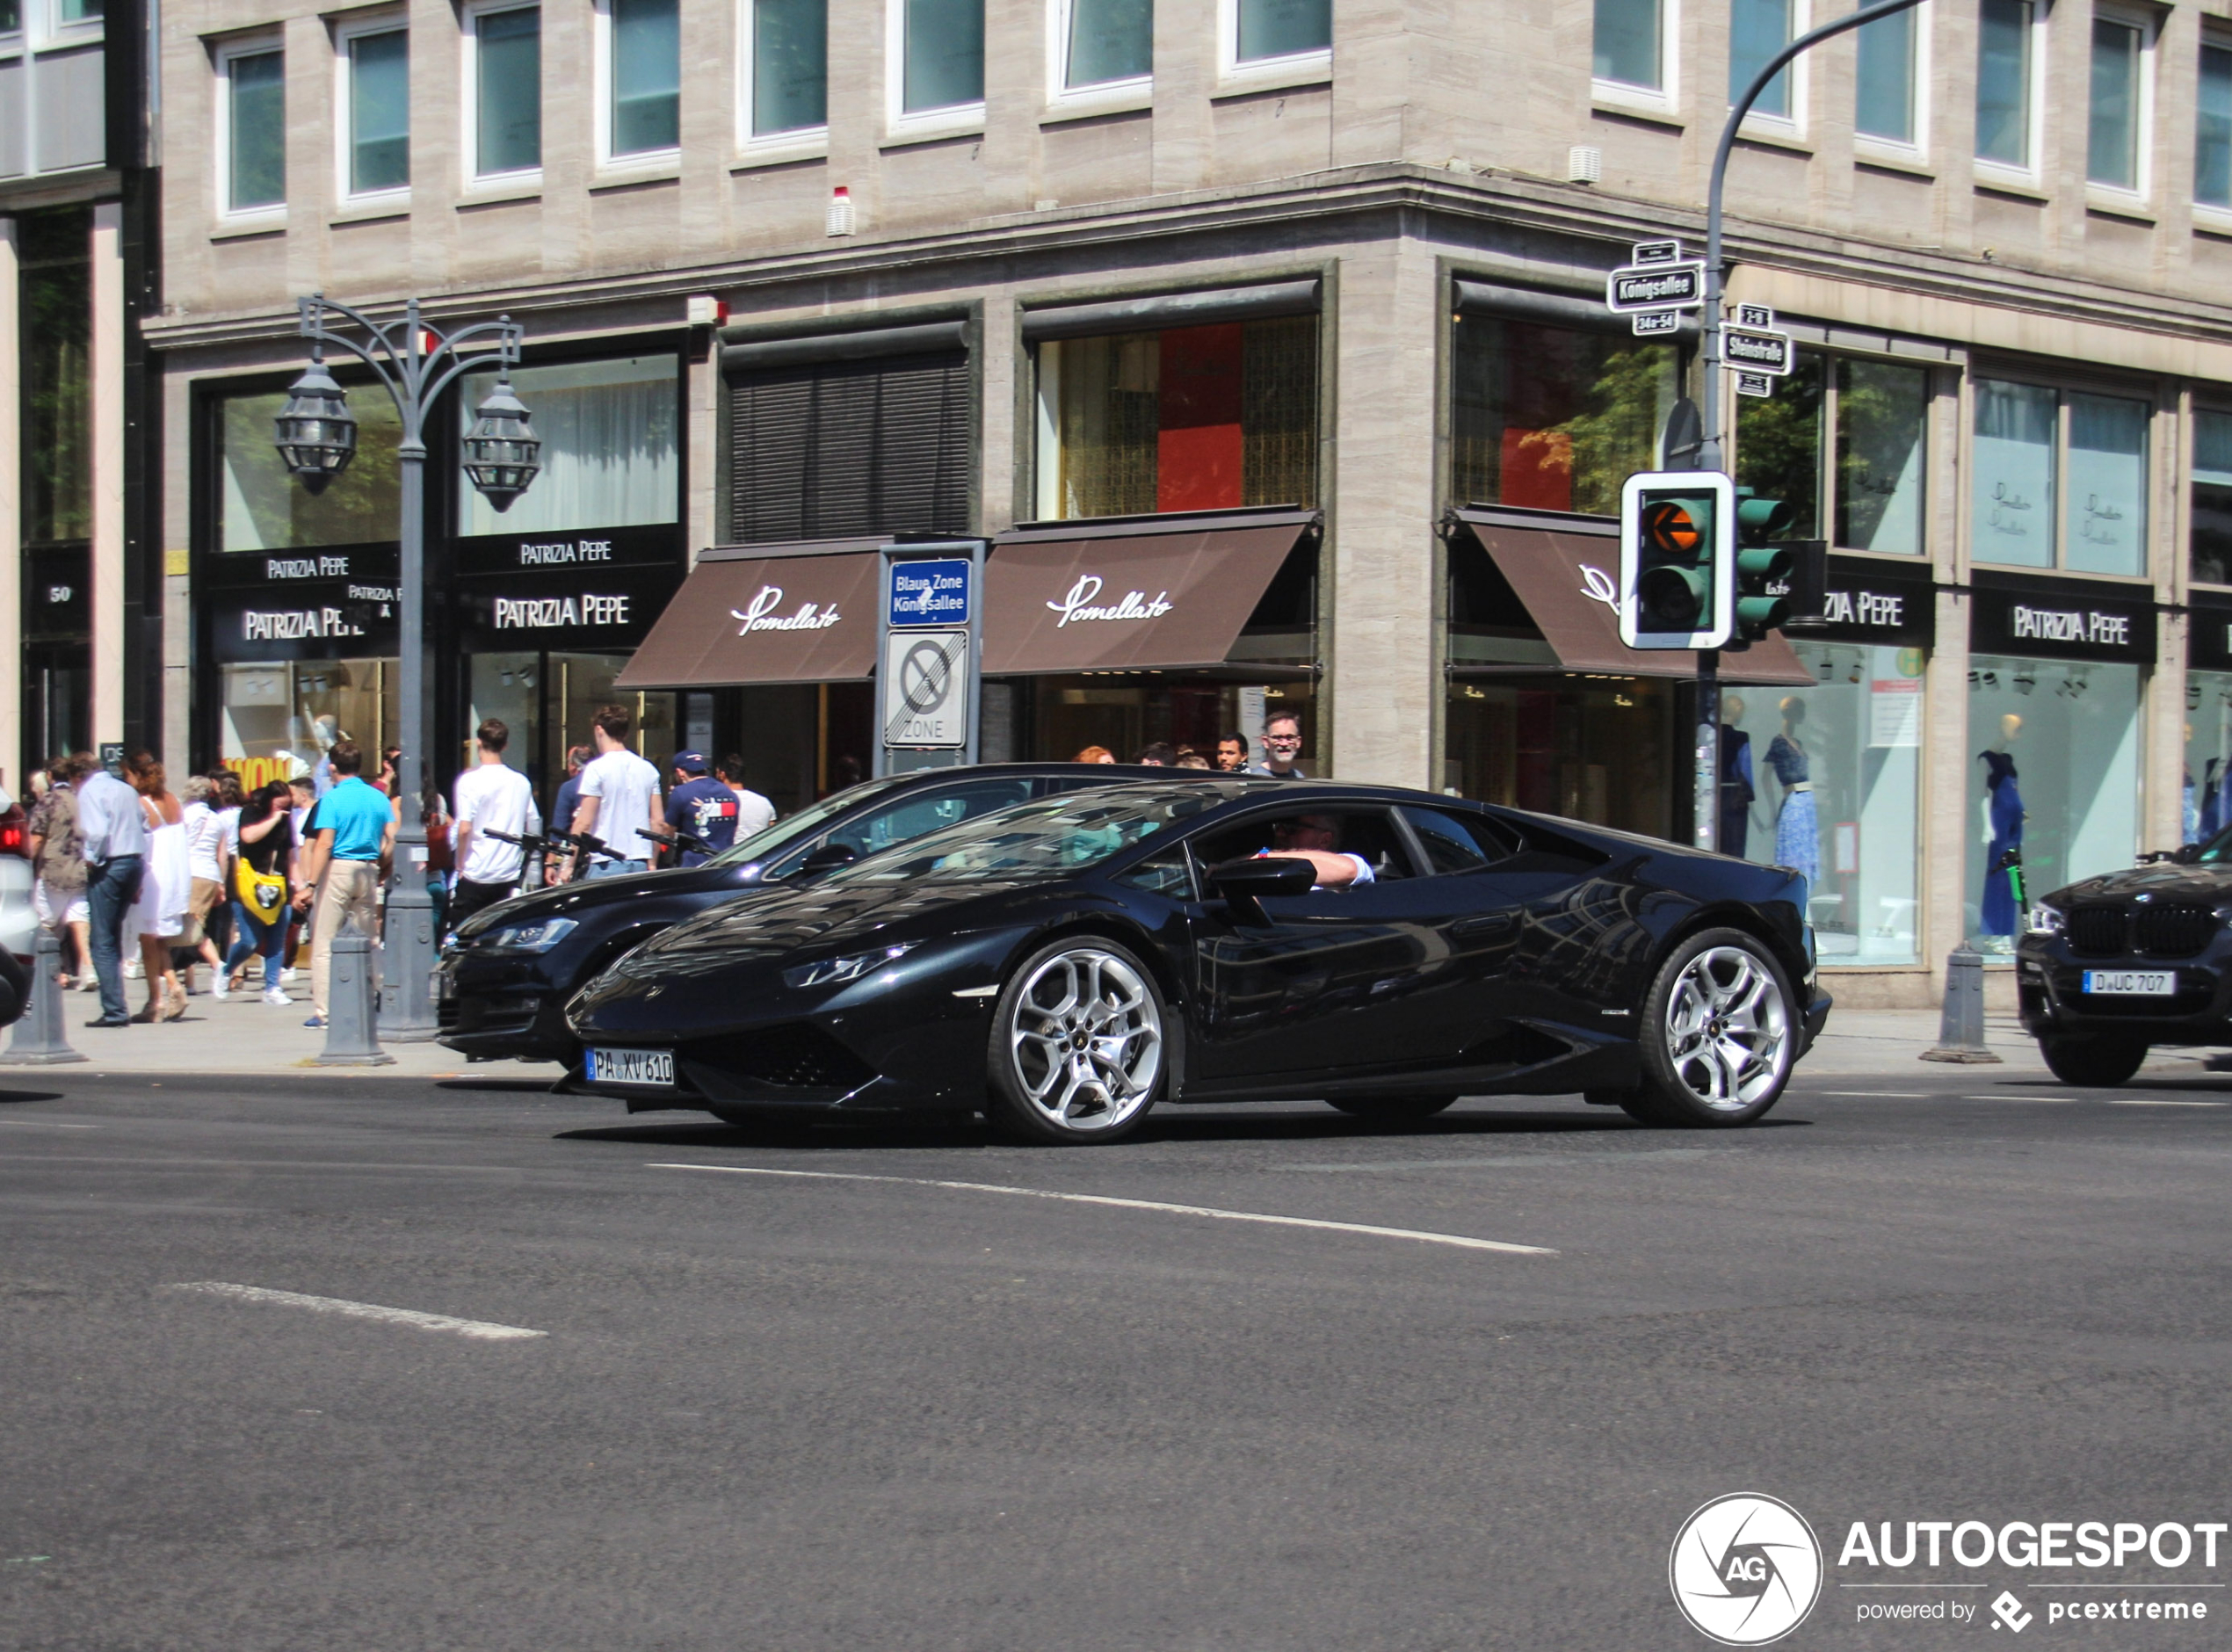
x: 1323, y: 983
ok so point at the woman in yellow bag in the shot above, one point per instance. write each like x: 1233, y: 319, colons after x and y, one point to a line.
x: 261, y: 906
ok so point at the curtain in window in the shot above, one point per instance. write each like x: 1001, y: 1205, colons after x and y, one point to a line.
x: 2013, y: 475
x: 610, y: 458
x: 1111, y: 399
x: 1278, y: 411
x: 2107, y: 503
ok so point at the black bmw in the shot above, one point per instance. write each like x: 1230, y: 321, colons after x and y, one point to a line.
x: 2111, y: 967
x: 504, y: 982
x: 1063, y: 964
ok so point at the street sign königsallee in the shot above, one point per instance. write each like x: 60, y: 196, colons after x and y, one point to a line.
x: 1755, y: 350
x: 1657, y: 287
x: 930, y: 593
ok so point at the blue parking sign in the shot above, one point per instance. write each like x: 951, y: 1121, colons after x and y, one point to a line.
x: 930, y: 593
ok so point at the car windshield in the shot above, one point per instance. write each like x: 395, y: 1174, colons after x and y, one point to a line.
x: 770, y: 841
x: 1049, y: 838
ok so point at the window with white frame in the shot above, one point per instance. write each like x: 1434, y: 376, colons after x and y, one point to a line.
x: 2116, y: 121
x: 2007, y: 57
x: 1104, y: 43
x: 251, y: 127
x: 2059, y: 478
x: 10, y: 17
x: 374, y: 65
x: 504, y: 122
x: 1758, y: 29
x: 2213, y: 125
x: 941, y: 56
x: 1266, y: 29
x: 1629, y: 43
x: 641, y: 58
x: 1886, y: 79
x: 786, y: 69
x: 69, y: 12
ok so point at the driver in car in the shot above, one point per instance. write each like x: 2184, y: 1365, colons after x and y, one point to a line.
x: 1316, y: 839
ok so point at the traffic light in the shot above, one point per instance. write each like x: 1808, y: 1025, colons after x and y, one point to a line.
x: 1677, y: 532
x: 1764, y: 568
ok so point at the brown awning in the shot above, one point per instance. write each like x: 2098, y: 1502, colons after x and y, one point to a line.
x: 741, y: 617
x: 1569, y: 582
x: 1139, y: 596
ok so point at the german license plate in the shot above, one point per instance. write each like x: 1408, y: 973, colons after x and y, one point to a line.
x: 2140, y: 983
x: 632, y: 1067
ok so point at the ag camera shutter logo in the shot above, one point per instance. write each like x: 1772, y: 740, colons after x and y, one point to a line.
x: 1745, y: 1570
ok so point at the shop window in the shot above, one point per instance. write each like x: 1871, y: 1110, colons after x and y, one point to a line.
x: 1872, y: 494
x: 2213, y: 128
x: 1105, y: 41
x: 1197, y: 419
x: 1883, y: 100
x: 505, y: 47
x: 2053, y: 773
x: 941, y: 55
x: 1828, y: 780
x: 2117, y: 112
x: 277, y: 720
x: 1600, y: 749
x: 831, y: 449
x: 376, y: 80
x: 788, y: 71
x: 611, y: 454
x: 642, y: 63
x: 262, y: 507
x: 1758, y: 29
x: 2207, y: 799
x: 2005, y: 56
x: 1282, y: 28
x: 55, y: 290
x: 251, y: 127
x: 2211, y: 545
x: 2028, y: 440
x: 1552, y: 417
x: 1627, y: 48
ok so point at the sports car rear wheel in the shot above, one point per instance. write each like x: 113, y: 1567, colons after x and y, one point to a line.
x: 1395, y: 1109
x: 1076, y: 1053
x: 1718, y: 1036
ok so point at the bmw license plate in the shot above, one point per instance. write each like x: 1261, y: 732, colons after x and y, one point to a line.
x: 632, y: 1067
x: 2141, y: 983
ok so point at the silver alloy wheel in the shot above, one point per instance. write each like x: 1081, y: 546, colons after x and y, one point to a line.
x: 1086, y: 1040
x: 1728, y: 1029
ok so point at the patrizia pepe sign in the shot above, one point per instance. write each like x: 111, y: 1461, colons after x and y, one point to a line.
x: 1081, y: 604
x: 2063, y: 619
x: 759, y: 615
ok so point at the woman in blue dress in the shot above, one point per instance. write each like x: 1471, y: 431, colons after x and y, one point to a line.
x: 1798, y: 838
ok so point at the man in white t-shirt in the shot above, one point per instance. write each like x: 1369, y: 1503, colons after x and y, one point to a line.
x: 490, y: 797
x: 620, y: 799
x: 754, y: 812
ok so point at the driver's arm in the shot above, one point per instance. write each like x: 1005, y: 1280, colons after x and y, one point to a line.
x: 1334, y: 871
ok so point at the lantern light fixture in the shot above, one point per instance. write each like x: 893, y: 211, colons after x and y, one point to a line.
x: 316, y: 432
x: 502, y: 451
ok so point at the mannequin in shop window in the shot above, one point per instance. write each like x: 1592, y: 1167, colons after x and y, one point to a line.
x: 1738, y: 784
x: 1797, y: 824
x: 2003, y: 827
x: 2189, y: 816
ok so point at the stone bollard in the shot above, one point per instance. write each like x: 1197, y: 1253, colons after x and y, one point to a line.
x: 349, y: 1038
x: 38, y: 1040
x: 1960, y: 1032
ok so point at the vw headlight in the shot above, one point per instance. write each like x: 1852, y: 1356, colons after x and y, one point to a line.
x: 531, y: 938
x: 830, y: 972
x: 2044, y: 920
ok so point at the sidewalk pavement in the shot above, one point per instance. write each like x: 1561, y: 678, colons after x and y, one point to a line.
x: 243, y: 1035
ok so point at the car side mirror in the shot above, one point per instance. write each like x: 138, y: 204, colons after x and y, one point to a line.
x: 827, y: 859
x: 2186, y: 854
x: 1245, y: 885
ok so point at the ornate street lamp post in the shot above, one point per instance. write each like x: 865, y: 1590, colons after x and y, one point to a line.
x: 317, y: 437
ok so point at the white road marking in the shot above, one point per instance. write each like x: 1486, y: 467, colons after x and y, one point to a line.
x: 480, y: 1331
x: 1514, y: 1161
x: 1457, y: 1239
x: 1893, y: 1095
x: 49, y: 1124
x: 2148, y: 1101
x: 2013, y: 1097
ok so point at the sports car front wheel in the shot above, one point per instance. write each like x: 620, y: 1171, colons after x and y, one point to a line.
x: 1718, y: 1036
x: 1076, y: 1053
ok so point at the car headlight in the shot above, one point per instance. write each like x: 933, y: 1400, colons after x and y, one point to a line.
x: 2044, y: 920
x: 830, y: 972
x: 530, y: 938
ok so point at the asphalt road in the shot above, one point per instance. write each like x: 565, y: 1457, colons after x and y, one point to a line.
x: 778, y: 1412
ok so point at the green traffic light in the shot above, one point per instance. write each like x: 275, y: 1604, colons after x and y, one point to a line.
x: 1756, y: 616
x: 1671, y: 599
x: 1767, y: 564
x: 1758, y: 520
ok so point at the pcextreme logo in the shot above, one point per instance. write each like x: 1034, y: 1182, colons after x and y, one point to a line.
x: 1745, y: 1570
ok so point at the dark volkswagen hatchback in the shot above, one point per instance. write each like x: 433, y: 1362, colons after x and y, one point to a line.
x: 2111, y: 967
x: 1061, y: 965
x: 504, y: 982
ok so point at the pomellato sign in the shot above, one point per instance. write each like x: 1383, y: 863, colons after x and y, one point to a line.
x: 1081, y: 604
x: 759, y: 615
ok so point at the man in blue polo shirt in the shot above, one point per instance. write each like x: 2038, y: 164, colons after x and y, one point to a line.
x: 351, y: 829
x: 701, y: 805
